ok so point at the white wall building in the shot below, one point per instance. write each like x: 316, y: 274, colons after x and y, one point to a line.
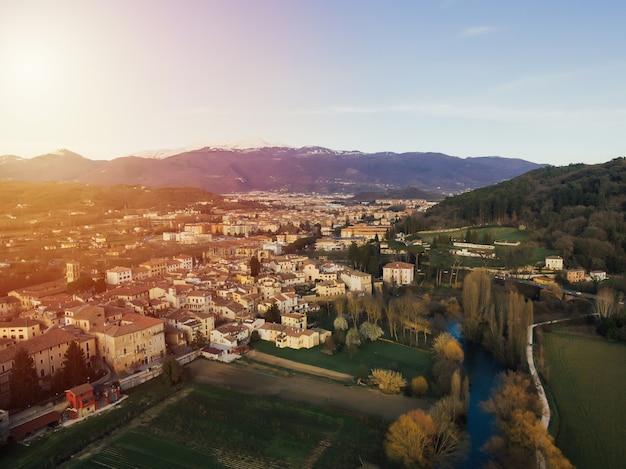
x: 119, y: 275
x: 398, y: 273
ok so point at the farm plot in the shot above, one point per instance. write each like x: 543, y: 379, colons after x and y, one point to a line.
x: 586, y: 376
x: 214, y: 427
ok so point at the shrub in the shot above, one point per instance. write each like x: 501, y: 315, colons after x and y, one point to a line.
x: 388, y: 381
x: 419, y: 386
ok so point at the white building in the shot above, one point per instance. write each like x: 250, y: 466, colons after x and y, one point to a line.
x: 230, y: 335
x: 398, y: 273
x: 554, y: 263
x: 119, y: 275
x: 357, y: 281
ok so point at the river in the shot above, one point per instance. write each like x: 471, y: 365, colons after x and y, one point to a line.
x: 482, y: 370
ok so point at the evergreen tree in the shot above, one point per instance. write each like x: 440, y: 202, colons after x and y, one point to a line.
x: 255, y: 266
x: 172, y: 371
x: 75, y: 370
x: 24, y: 383
x: 273, y: 314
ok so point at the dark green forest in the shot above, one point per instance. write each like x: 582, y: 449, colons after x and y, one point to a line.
x: 577, y: 210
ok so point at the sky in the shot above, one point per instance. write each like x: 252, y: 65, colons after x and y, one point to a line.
x: 544, y: 81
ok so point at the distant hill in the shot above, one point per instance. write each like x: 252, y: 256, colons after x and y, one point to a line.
x: 578, y: 210
x: 307, y: 169
x: 402, y: 194
x: 22, y: 198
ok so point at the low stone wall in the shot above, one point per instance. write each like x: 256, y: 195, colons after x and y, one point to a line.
x: 156, y: 370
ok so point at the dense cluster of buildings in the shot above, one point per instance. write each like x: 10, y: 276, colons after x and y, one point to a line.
x: 161, y: 305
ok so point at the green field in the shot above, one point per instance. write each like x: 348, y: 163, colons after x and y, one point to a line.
x: 497, y: 232
x: 588, y: 381
x: 407, y: 360
x: 206, y: 426
x: 56, y: 447
x: 214, y: 427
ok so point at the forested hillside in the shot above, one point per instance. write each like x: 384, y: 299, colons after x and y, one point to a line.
x: 578, y: 210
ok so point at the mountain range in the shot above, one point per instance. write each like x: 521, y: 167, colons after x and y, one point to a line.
x: 225, y: 170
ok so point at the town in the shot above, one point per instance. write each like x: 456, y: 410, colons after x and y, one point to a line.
x: 120, y: 297
x: 226, y: 276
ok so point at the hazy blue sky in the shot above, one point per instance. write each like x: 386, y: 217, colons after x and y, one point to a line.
x: 539, y: 80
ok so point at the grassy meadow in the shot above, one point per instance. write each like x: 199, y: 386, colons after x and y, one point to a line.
x: 497, y: 232
x: 407, y: 360
x: 587, y: 380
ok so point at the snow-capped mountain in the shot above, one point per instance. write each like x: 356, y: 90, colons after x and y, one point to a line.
x: 253, y: 165
x: 246, y: 144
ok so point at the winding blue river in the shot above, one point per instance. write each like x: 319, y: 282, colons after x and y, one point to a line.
x: 482, y: 370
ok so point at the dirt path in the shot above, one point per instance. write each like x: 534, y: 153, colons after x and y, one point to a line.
x: 138, y: 421
x: 296, y: 366
x: 350, y: 399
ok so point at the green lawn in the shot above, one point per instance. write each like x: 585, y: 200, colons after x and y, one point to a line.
x: 497, y: 232
x: 588, y: 381
x: 407, y: 360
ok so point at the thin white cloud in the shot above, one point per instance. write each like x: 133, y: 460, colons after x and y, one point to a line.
x: 479, y: 30
x: 199, y: 110
x: 480, y: 112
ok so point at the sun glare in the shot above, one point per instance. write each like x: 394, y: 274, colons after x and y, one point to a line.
x: 29, y: 68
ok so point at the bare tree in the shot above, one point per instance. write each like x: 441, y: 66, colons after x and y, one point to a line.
x: 355, y: 309
x: 476, y: 301
x: 605, y: 304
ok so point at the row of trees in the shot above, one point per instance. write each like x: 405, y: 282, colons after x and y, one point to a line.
x: 407, y: 317
x: 366, y: 257
x: 499, y: 321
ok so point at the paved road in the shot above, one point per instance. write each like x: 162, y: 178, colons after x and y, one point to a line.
x: 353, y: 399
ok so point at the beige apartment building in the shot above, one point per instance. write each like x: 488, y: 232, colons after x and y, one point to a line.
x: 20, y: 329
x: 135, y: 341
x: 398, y: 273
x: 575, y: 275
x: 47, y: 351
